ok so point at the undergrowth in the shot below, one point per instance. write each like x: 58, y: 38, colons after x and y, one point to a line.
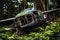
x: 46, y: 33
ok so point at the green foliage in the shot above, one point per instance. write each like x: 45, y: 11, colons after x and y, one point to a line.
x: 9, y: 8
x: 43, y: 33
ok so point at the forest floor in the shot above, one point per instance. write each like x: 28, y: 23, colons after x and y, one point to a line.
x: 47, y: 33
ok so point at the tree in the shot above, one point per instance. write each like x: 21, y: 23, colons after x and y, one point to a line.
x: 8, y: 9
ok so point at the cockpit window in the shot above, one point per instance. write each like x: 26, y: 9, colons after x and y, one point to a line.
x: 35, y: 14
x: 23, y: 20
x: 29, y: 18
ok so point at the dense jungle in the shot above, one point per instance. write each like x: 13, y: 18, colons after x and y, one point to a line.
x: 48, y: 29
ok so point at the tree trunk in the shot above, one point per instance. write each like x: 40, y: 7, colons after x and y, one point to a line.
x: 41, y: 5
